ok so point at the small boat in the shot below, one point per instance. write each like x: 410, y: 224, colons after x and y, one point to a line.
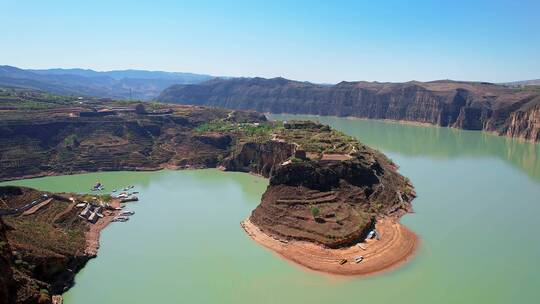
x: 127, y: 213
x: 114, y: 190
x: 120, y: 219
x: 132, y: 198
x: 122, y: 195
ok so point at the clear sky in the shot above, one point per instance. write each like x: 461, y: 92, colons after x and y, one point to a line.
x: 320, y: 41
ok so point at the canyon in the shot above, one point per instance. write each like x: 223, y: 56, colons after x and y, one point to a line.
x: 503, y: 110
x: 325, y: 187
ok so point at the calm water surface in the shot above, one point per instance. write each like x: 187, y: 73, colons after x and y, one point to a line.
x: 477, y: 215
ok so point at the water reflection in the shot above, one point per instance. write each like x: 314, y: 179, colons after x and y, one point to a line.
x: 435, y: 142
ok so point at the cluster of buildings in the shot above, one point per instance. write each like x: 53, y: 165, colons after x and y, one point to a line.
x: 91, y: 212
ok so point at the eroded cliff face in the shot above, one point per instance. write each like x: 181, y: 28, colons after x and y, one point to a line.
x: 466, y: 105
x: 525, y: 124
x: 259, y: 158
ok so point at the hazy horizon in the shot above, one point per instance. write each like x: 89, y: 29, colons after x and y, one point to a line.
x: 323, y: 43
x: 227, y: 76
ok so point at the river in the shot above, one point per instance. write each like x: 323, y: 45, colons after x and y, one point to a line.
x: 476, y: 214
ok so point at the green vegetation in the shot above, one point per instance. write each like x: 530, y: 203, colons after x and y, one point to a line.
x: 310, y: 137
x: 314, y: 211
x: 106, y: 198
x: 318, y: 138
x: 251, y: 131
x: 70, y: 140
x: 530, y: 88
x: 295, y: 159
x: 14, y: 98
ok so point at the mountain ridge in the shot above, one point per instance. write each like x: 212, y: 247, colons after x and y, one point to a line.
x: 121, y: 84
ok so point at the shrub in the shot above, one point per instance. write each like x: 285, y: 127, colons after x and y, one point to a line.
x: 314, y: 211
x: 70, y: 140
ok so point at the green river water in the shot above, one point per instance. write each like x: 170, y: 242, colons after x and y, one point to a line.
x: 477, y: 214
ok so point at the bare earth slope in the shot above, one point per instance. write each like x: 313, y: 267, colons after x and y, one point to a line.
x: 467, y: 105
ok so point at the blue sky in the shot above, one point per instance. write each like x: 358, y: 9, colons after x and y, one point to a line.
x: 320, y: 41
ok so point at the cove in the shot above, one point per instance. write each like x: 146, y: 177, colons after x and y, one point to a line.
x: 476, y: 215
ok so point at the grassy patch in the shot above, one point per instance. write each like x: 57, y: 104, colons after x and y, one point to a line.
x: 28, y: 99
x: 246, y: 131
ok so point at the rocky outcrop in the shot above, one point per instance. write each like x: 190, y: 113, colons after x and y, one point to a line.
x: 525, y: 124
x: 333, y: 203
x: 466, y: 105
x: 259, y: 158
x: 331, y: 200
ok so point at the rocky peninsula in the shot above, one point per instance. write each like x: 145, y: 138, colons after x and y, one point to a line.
x: 327, y: 195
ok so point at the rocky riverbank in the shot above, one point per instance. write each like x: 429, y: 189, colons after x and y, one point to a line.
x: 46, y: 244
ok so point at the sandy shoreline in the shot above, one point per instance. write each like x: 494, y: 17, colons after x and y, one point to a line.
x: 396, y: 246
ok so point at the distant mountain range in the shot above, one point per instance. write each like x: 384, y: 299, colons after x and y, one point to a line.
x: 124, y: 84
